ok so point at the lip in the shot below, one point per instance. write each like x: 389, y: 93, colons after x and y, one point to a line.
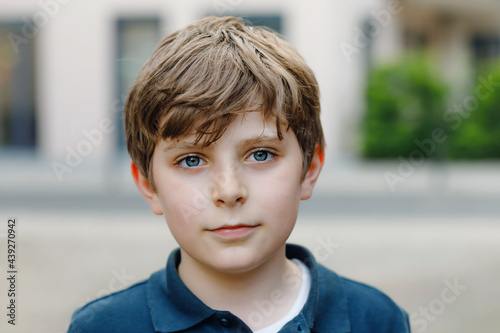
x: 234, y: 232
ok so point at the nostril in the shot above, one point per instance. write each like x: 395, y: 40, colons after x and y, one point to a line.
x: 241, y: 199
x: 229, y: 194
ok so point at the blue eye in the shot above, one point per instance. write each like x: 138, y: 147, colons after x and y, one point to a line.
x: 191, y: 161
x: 261, y: 156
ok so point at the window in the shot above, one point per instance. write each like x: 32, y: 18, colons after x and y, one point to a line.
x: 414, y: 40
x: 17, y: 107
x: 136, y: 39
x: 486, y: 47
x: 271, y: 21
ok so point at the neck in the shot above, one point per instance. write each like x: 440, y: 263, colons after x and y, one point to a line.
x: 247, y: 292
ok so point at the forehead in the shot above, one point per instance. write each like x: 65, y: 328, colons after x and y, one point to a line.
x: 247, y: 127
x: 210, y: 120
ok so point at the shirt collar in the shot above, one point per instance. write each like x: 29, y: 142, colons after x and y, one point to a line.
x: 174, y: 307
x: 327, y: 304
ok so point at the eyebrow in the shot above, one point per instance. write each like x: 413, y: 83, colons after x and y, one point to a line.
x: 268, y: 139
x: 183, y: 145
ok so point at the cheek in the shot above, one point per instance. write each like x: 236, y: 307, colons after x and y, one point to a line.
x: 288, y: 181
x: 182, y: 202
x: 280, y: 193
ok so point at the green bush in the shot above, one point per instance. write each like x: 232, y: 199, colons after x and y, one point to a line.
x: 405, y: 101
x: 478, y: 135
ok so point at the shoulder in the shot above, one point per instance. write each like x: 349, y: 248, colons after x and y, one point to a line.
x: 117, y: 312
x: 369, y: 308
x: 366, y: 301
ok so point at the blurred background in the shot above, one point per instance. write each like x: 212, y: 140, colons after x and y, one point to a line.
x: 408, y: 199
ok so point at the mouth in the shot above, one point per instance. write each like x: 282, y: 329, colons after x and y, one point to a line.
x: 234, y: 232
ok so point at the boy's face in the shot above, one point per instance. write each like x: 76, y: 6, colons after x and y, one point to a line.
x: 230, y: 206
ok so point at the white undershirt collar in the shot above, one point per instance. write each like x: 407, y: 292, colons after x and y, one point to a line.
x: 305, y: 285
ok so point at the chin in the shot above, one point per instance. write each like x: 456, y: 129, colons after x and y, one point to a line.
x: 237, y: 261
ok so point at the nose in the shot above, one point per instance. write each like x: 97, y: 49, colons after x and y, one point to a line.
x: 229, y: 189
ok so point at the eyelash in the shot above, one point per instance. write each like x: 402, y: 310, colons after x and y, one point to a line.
x: 259, y: 150
x: 268, y: 151
x: 184, y: 159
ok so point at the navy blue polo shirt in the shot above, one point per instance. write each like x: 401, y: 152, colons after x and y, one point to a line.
x: 164, y: 304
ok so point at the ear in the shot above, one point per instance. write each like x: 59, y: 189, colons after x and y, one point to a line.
x: 312, y: 173
x: 144, y: 187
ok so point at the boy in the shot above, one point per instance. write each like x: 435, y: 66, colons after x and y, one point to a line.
x: 224, y: 132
